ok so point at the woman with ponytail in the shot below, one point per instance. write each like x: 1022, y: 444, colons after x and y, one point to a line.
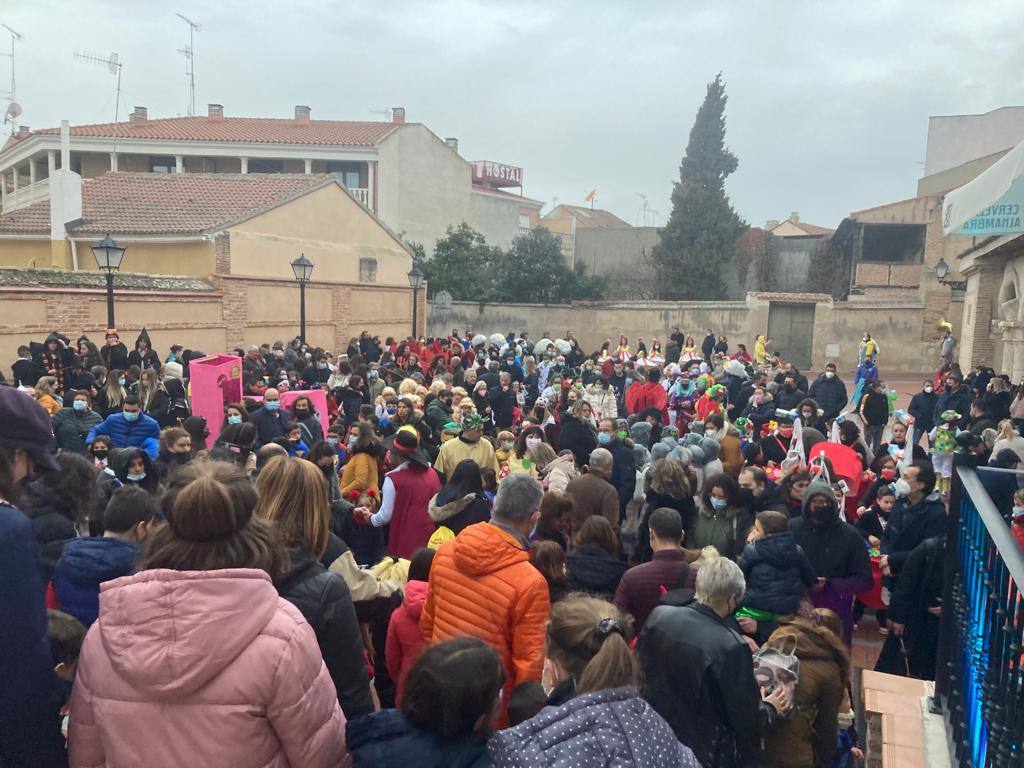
x: 595, y: 716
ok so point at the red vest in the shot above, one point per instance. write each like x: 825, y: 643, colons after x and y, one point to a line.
x: 411, y: 526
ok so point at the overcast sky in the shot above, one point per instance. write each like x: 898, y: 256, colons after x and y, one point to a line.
x: 828, y: 102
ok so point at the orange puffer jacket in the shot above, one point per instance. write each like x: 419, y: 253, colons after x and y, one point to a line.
x: 482, y: 584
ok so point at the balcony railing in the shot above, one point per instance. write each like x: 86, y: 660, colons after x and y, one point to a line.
x: 979, y: 683
x: 361, y: 194
x: 26, y: 195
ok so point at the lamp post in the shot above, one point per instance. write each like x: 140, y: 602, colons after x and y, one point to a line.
x: 415, y: 280
x: 108, y: 255
x: 941, y: 270
x: 303, y: 269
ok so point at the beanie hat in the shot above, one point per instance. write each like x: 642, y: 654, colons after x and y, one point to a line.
x: 641, y: 433
x: 659, y: 451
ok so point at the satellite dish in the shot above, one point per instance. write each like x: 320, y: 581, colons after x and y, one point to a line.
x: 13, y: 110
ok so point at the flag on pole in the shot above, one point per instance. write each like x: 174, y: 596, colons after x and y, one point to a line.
x: 590, y: 196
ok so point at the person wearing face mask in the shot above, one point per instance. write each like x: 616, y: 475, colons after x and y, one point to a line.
x: 269, y: 419
x: 790, y: 395
x: 129, y: 428
x: 99, y: 451
x: 829, y: 392
x: 502, y: 400
x: 776, y: 445
x: 175, y: 451
x: 132, y: 466
x: 71, y: 426
x: 439, y: 411
x: 308, y: 421
x: 521, y: 455
x: 758, y: 493
x: 698, y: 672
x: 144, y: 356
x: 874, y: 410
x: 730, y: 450
x: 623, y: 475
x: 837, y: 552
x: 922, y: 408
x: 955, y: 397
x: 722, y: 521
x: 918, y: 514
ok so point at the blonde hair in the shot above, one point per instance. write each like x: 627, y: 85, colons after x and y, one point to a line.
x: 392, y: 568
x: 407, y: 387
x: 45, y: 385
x: 385, y: 394
x: 458, y: 393
x: 436, y: 386
x: 293, y: 494
x: 1006, y: 430
x: 590, y: 639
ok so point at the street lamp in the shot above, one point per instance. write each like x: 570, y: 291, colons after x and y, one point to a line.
x: 108, y: 255
x: 941, y: 270
x: 303, y: 269
x: 415, y: 280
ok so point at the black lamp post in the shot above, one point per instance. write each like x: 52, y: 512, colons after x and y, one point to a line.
x: 303, y: 269
x: 108, y: 255
x: 415, y: 280
x: 941, y: 270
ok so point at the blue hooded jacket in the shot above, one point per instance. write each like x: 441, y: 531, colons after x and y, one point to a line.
x: 385, y: 739
x: 84, y: 565
x: 143, y: 433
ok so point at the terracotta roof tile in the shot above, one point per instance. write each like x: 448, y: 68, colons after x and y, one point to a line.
x: 169, y: 203
x: 262, y: 130
x: 589, y: 218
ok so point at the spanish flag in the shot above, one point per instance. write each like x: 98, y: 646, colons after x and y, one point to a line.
x: 590, y: 197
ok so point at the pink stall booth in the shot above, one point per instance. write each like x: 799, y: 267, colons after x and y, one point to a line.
x: 215, y: 381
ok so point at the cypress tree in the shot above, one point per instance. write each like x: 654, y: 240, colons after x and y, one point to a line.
x: 699, y: 241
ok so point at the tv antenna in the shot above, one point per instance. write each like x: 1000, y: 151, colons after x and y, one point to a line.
x: 189, y: 52
x: 13, y: 108
x: 641, y: 215
x: 114, y: 66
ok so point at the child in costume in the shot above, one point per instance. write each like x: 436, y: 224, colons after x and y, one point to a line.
x: 943, y: 444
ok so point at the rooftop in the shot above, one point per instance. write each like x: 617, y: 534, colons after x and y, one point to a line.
x: 63, y: 278
x: 259, y: 130
x: 588, y: 218
x: 169, y: 203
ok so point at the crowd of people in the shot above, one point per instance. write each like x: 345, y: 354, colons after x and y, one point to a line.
x: 484, y: 550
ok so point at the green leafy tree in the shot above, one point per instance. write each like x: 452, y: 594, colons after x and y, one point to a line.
x: 700, y: 236
x: 534, y: 270
x: 462, y: 264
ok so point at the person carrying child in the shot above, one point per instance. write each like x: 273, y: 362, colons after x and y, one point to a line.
x: 777, y: 572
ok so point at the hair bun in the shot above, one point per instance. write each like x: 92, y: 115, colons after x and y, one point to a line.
x: 205, y: 511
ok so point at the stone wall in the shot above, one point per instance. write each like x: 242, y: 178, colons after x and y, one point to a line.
x: 898, y: 323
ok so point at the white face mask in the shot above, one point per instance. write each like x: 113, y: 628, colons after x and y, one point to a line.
x: 830, y: 374
x: 929, y: 390
x: 901, y: 487
x: 533, y: 442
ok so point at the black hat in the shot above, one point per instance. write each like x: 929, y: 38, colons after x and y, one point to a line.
x: 407, y: 445
x: 25, y: 424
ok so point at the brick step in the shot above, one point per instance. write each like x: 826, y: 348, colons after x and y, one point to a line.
x: 894, y: 713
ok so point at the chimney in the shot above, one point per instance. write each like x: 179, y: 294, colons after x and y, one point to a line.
x: 139, y: 116
x: 215, y: 112
x: 453, y: 144
x: 302, y: 115
x: 772, y: 224
x: 398, y: 115
x: 794, y: 217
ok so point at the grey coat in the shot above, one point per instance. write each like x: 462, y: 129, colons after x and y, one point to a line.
x: 613, y: 727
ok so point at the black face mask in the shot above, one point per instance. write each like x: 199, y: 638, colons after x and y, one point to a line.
x: 101, y: 455
x: 821, y: 516
x: 746, y: 496
x: 301, y: 413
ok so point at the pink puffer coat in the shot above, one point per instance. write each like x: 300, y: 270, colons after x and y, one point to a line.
x: 202, y: 668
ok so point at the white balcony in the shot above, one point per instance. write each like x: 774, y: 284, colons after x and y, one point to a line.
x: 362, y: 195
x: 13, y: 199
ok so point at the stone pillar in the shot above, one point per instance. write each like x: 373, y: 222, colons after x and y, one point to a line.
x: 1013, y: 349
x: 309, y: 165
x: 980, y: 309
x: 371, y: 187
x: 14, y: 172
x: 51, y: 161
x: 179, y: 161
x: 31, y: 171
x: 113, y: 162
x: 245, y: 164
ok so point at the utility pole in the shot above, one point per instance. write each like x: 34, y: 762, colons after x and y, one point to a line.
x: 189, y: 53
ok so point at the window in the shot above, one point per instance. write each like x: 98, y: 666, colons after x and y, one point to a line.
x: 348, y: 174
x: 265, y: 166
x: 524, y: 221
x: 367, y: 270
x: 162, y: 165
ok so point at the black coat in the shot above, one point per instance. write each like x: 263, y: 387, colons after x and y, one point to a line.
x: 324, y: 600
x: 502, y: 404
x: 52, y: 520
x: 708, y: 346
x: 959, y: 401
x: 787, y: 399
x: 829, y: 394
x: 26, y: 372
x: 147, y: 359
x: 593, y: 571
x: 578, y: 438
x: 874, y: 407
x: 71, y: 427
x: 686, y: 508
x: 922, y: 408
x: 349, y: 401
x: 623, y: 471
x: 909, y: 526
x: 918, y: 589
x: 698, y: 675
x: 115, y: 357
x: 998, y: 404
x: 778, y: 574
x: 269, y: 424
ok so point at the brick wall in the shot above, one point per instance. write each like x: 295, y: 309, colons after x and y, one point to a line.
x: 977, y: 345
x: 222, y: 253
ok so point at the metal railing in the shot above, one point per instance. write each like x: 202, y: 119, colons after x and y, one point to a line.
x: 979, y: 683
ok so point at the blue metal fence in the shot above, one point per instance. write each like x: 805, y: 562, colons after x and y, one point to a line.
x: 979, y: 685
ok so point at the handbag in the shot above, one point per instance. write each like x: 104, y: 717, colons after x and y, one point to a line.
x: 774, y: 667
